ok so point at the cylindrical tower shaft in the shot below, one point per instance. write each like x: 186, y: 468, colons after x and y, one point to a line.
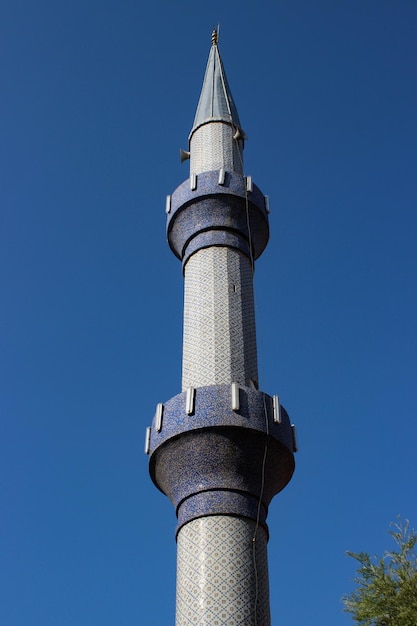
x: 222, y: 573
x: 221, y: 449
x: 219, y: 319
x: 212, y: 147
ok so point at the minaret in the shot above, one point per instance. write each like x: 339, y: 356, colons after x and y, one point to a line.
x: 220, y: 449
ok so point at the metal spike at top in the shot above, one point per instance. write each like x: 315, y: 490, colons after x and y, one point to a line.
x: 214, y: 37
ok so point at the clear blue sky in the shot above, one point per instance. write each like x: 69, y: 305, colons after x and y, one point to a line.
x: 97, y: 98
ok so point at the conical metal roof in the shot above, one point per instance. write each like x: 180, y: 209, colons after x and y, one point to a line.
x: 216, y: 101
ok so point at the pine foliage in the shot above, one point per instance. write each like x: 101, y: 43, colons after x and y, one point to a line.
x: 387, y: 587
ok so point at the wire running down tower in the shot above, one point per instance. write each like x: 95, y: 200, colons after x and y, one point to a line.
x: 220, y: 449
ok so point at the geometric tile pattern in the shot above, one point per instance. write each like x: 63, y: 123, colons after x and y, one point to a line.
x: 219, y: 342
x: 212, y: 147
x: 222, y: 573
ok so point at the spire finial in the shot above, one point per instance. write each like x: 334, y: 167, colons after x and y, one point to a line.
x: 214, y: 37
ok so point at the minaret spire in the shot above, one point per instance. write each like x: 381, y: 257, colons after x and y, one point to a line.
x: 220, y: 449
x: 216, y: 101
x: 216, y: 139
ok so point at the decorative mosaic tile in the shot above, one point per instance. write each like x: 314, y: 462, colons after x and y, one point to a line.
x: 212, y: 147
x: 222, y: 573
x: 219, y: 319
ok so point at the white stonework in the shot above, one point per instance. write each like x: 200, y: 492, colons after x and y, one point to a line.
x: 219, y: 320
x: 212, y: 147
x: 222, y: 573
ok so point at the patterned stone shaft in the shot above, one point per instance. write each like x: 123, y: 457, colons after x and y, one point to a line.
x: 212, y: 147
x: 220, y: 449
x: 217, y: 582
x: 219, y: 319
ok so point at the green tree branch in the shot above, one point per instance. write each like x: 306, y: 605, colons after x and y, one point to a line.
x: 386, y: 593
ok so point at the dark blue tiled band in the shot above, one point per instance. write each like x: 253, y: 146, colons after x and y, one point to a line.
x: 211, y: 208
x: 216, y: 449
x: 221, y: 503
